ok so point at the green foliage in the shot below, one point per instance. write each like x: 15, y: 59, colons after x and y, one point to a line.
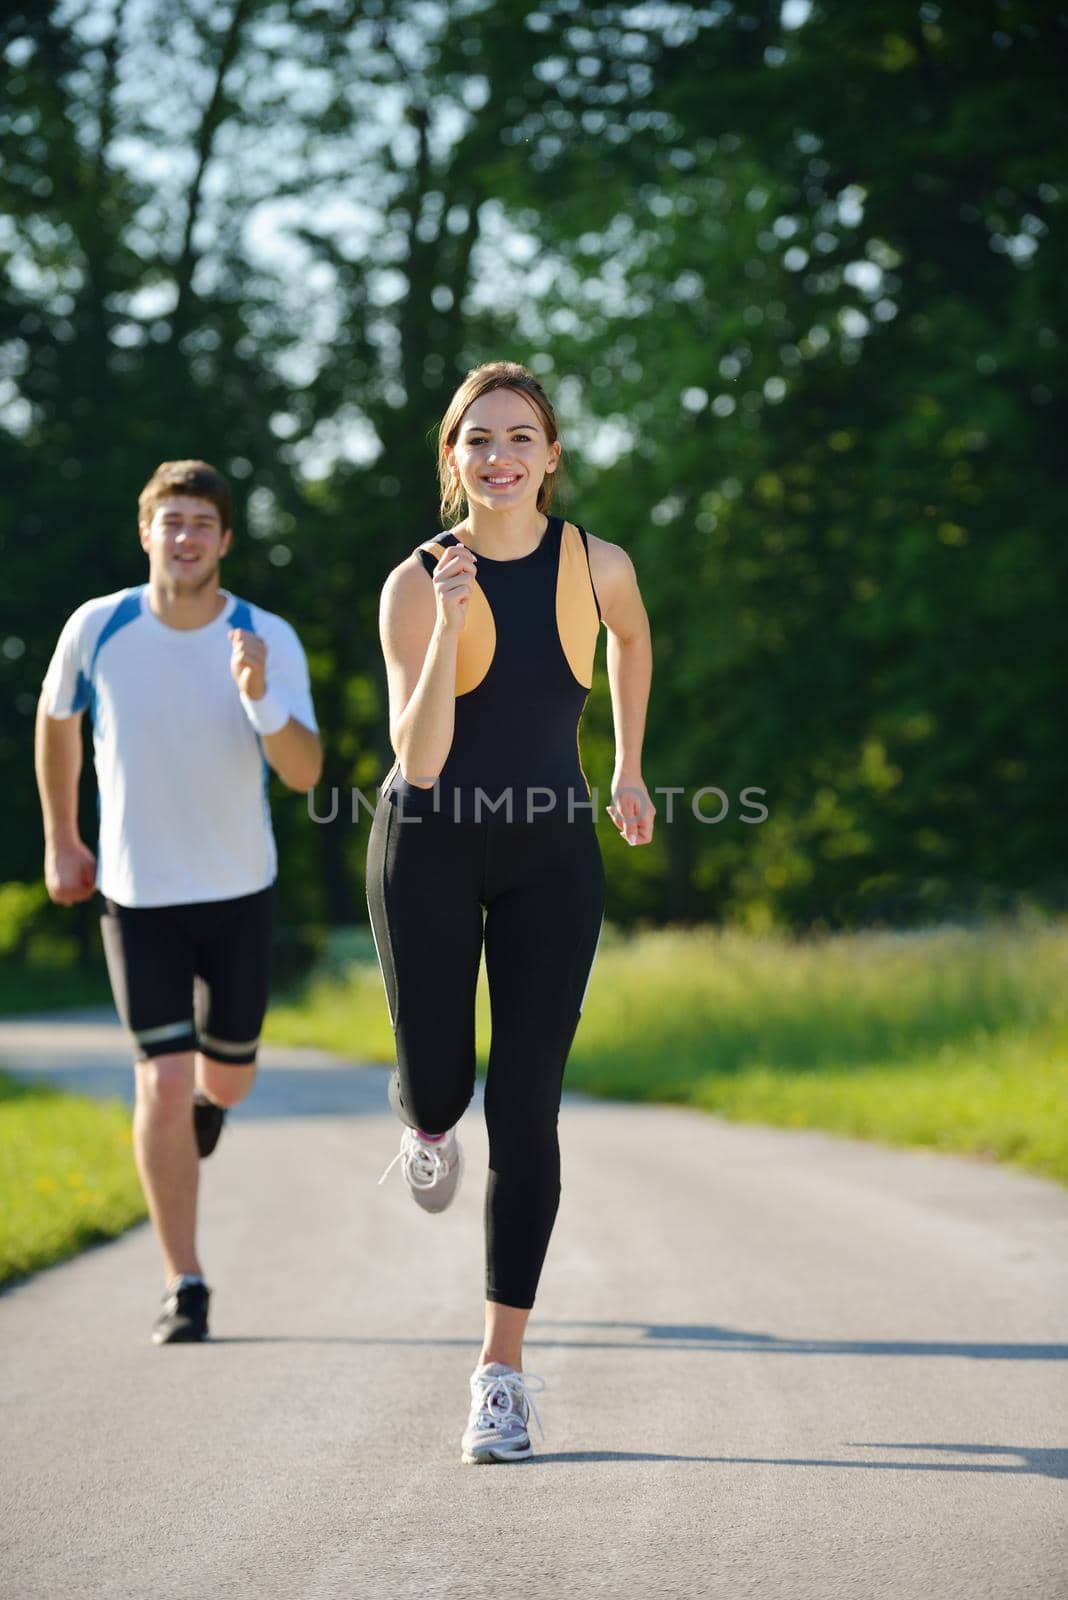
x: 21, y: 905
x: 840, y: 381
x: 52, y: 984
x: 797, y: 290
x: 33, y: 932
x: 67, y: 1176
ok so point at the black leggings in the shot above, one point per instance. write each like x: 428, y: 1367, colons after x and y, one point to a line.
x: 542, y: 887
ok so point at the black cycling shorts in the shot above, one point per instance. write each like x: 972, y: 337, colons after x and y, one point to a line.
x: 192, y: 977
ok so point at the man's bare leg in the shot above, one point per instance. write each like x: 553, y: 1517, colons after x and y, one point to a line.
x: 166, y: 1154
x: 222, y: 1083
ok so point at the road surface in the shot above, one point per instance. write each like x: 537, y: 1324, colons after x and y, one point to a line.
x: 779, y: 1365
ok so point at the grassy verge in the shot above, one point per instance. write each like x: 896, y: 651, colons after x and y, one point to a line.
x: 67, y: 1175
x: 955, y: 1038
x: 26, y: 990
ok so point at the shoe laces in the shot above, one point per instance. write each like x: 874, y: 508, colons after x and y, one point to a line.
x: 504, y: 1395
x: 424, y: 1164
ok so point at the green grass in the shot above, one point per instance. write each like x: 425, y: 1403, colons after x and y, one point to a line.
x: 342, y: 1009
x: 67, y: 1175
x: 955, y: 1038
x: 25, y: 989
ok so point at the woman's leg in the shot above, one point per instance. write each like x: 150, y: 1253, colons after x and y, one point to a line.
x: 503, y: 1337
x: 423, y: 885
x: 543, y: 920
x: 545, y: 897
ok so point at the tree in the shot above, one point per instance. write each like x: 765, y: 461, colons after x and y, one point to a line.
x: 795, y: 288
x: 841, y: 310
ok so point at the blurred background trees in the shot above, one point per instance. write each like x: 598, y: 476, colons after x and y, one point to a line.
x: 794, y: 275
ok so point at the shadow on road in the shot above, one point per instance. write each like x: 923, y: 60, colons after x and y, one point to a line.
x: 1044, y: 1463
x: 550, y: 1458
x: 1041, y: 1463
x: 719, y: 1340
x: 697, y: 1336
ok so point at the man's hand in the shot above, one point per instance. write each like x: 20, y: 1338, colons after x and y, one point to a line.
x: 248, y: 662
x: 70, y: 872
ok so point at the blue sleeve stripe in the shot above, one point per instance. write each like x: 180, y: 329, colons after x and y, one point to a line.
x: 241, y: 617
x: 83, y: 695
x: 127, y: 609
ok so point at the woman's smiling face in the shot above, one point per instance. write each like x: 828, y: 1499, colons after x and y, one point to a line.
x: 502, y: 452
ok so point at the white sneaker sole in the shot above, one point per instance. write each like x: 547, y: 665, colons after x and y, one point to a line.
x: 485, y: 1458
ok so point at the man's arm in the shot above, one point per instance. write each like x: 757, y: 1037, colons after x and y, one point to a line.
x: 291, y: 750
x: 295, y: 753
x: 70, y: 867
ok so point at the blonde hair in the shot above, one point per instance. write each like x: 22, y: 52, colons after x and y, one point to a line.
x: 483, y: 380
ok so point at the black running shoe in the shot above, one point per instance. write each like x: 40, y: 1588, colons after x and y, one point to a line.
x: 184, y: 1318
x: 208, y: 1119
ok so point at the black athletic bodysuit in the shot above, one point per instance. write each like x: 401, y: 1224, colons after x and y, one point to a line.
x: 502, y: 852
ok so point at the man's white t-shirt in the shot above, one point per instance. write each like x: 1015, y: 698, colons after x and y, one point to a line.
x: 184, y: 815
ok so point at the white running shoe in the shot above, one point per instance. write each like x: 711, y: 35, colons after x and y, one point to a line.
x: 501, y: 1407
x: 432, y: 1168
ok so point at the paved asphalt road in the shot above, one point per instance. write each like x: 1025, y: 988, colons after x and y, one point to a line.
x: 779, y: 1365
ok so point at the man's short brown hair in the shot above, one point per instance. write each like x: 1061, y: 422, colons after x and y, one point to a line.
x: 196, y: 478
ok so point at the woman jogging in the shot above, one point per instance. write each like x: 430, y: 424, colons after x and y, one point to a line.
x: 486, y: 833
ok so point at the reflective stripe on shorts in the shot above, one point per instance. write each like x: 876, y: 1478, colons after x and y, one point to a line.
x: 168, y: 1030
x: 227, y: 1047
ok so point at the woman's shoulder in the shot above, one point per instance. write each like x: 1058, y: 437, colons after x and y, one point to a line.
x: 403, y: 574
x: 406, y: 583
x: 605, y: 557
x: 611, y: 571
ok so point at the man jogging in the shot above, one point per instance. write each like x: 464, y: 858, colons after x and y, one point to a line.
x: 190, y: 691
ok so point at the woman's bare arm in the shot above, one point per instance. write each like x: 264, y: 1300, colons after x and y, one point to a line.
x: 420, y: 623
x: 630, y: 671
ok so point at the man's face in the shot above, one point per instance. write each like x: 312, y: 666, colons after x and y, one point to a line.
x: 185, y: 542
